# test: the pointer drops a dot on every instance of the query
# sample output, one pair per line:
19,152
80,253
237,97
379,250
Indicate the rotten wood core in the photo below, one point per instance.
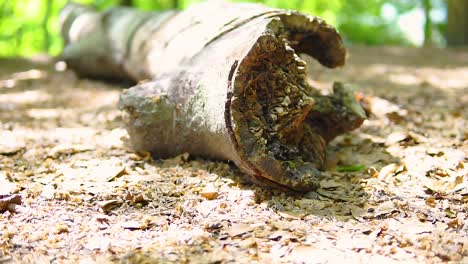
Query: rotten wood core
228,86
279,115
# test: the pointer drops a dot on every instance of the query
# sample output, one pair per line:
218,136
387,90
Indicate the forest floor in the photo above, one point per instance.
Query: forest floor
395,190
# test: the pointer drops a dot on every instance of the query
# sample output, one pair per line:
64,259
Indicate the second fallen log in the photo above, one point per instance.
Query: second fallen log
227,83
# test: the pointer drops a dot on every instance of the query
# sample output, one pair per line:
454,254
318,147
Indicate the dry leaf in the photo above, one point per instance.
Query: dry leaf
355,242
450,213
94,170
60,228
249,242
239,229
456,223
385,208
106,172
388,170
109,205
133,225
431,201
296,215
6,186
357,212
178,160
446,185
311,254
10,144
310,204
210,192
48,192
98,243
68,149
396,137
329,184
278,235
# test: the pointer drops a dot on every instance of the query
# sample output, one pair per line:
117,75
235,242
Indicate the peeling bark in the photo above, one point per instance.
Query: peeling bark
226,83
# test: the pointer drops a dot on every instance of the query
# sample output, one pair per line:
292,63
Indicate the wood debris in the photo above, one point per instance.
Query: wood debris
8,202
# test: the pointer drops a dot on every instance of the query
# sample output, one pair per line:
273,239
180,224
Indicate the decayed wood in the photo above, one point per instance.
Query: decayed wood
226,83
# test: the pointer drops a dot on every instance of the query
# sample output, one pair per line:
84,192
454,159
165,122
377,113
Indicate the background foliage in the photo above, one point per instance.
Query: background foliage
31,26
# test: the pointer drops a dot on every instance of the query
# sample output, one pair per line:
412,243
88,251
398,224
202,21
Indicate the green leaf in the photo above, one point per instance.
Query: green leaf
350,168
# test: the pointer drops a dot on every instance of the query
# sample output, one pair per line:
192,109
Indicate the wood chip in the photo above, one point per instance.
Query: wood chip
9,201
133,225
210,192
109,205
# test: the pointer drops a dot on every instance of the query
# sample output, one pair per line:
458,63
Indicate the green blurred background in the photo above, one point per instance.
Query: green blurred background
31,26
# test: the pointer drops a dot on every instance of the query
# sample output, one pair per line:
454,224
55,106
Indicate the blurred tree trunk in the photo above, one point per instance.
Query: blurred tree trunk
45,22
457,27
428,23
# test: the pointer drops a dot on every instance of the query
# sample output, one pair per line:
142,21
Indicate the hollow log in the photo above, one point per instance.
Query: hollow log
225,82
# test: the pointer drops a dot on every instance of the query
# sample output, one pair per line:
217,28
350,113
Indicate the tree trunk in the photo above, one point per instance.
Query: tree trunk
45,24
427,23
126,2
226,83
175,4
457,27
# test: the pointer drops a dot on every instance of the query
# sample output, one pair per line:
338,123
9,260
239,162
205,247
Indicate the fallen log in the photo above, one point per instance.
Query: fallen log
226,82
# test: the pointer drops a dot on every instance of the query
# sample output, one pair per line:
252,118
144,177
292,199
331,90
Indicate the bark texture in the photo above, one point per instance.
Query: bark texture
226,83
